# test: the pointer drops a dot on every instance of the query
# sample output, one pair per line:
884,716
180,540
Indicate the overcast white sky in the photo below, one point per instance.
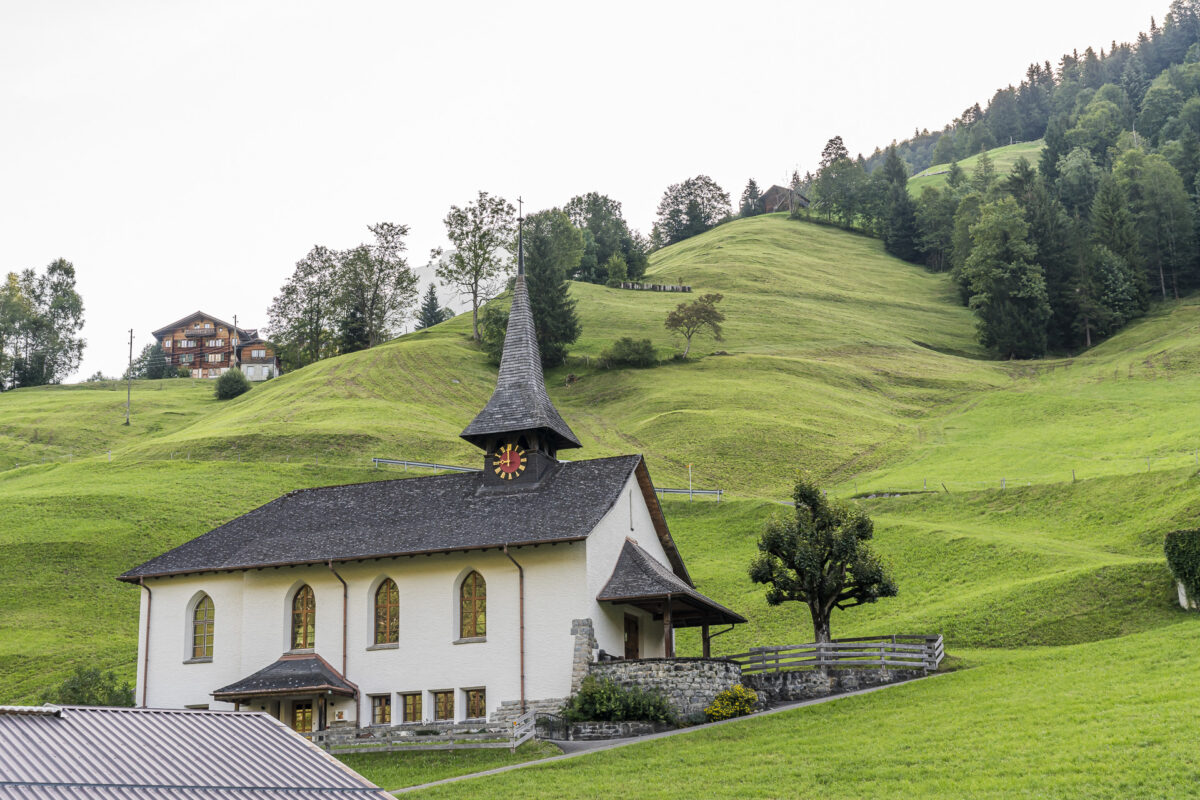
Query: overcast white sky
184,155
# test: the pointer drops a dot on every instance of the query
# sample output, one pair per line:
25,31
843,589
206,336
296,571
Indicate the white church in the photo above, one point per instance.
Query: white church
448,598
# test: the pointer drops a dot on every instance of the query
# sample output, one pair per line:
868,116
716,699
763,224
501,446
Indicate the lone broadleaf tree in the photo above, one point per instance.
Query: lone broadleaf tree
482,234
688,319
820,558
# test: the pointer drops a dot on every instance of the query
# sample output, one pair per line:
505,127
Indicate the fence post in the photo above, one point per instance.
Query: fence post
110,456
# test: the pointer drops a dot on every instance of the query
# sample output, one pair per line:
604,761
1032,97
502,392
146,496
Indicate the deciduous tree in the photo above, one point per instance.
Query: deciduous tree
689,208
689,319
820,556
481,234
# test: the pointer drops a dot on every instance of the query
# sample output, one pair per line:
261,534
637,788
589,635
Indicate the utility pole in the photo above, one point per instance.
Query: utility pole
129,379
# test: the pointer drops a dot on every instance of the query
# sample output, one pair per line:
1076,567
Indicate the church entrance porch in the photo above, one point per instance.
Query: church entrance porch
300,690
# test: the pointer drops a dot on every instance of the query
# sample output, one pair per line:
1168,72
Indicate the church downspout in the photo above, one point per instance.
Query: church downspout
521,613
345,601
146,652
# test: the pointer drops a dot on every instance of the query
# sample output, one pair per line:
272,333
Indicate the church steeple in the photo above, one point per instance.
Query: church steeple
519,429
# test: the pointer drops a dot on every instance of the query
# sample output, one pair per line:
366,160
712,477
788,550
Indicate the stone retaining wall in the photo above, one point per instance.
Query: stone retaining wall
689,684
782,687
593,731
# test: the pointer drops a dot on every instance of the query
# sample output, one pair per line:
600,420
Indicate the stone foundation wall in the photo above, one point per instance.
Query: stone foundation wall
593,731
689,684
783,687
509,710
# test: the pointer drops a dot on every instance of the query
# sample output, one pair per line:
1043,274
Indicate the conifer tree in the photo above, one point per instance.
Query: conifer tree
751,200
553,246
431,312
1008,290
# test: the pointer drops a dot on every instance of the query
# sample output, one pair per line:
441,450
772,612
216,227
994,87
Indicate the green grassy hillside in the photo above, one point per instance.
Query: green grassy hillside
837,359
1002,157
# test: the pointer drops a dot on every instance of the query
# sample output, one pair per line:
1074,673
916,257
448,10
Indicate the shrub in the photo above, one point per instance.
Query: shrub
90,687
1183,557
737,701
628,351
183,372
604,700
231,383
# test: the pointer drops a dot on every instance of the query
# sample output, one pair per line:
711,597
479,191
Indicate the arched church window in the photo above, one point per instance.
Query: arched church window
473,606
202,628
304,618
387,613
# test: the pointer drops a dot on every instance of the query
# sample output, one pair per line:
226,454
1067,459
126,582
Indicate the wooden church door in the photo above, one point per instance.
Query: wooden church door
632,637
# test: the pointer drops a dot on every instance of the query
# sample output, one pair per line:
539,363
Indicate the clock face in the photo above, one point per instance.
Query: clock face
509,462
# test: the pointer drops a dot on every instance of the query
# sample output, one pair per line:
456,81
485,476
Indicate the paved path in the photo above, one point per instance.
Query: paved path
576,749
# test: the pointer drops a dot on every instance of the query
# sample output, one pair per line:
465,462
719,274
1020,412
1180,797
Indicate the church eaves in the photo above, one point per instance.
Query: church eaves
520,401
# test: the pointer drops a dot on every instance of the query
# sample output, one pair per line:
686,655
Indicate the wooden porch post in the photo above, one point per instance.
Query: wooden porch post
704,638
668,638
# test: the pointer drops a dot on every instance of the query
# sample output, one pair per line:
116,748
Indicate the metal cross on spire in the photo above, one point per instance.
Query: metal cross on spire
520,226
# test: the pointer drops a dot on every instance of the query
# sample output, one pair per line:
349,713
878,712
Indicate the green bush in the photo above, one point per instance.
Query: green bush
737,701
90,687
628,351
183,372
1183,557
231,384
603,700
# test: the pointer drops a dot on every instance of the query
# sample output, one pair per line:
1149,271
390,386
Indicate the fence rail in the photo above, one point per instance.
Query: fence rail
718,493
904,651
422,465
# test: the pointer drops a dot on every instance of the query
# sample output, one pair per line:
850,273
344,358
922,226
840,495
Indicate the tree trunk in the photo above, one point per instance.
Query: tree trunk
820,620
687,346
475,317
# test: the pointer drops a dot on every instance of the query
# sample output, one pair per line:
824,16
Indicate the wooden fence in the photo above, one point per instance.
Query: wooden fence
413,737
901,651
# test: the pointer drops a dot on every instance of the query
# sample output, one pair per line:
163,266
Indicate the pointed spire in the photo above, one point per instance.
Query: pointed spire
520,402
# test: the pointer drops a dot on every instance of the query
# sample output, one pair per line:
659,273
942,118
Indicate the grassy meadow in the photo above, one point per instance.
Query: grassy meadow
1003,158
837,359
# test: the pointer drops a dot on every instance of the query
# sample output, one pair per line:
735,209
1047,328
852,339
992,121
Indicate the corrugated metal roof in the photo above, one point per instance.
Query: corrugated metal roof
92,752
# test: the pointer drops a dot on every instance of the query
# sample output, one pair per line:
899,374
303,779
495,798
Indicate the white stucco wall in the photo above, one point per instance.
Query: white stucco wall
252,622
629,518
252,626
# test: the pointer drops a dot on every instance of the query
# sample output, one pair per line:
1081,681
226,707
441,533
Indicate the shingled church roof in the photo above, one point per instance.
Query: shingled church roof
438,514
520,401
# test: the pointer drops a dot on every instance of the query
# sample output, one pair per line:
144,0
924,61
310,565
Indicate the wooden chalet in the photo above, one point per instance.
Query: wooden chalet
782,198
208,346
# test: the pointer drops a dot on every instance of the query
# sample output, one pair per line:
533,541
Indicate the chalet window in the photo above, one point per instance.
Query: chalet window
443,705
215,357
214,343
473,606
476,704
412,707
302,717
186,343
166,343
258,353
202,628
304,618
381,709
387,613
185,358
